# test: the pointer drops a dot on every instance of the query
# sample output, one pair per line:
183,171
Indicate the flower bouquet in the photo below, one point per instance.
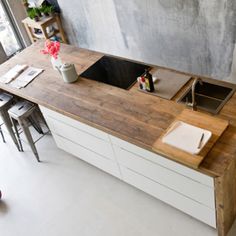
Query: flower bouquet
52,48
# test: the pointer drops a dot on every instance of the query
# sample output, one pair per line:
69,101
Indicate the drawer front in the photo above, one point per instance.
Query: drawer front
74,123
166,177
165,162
102,163
80,137
170,197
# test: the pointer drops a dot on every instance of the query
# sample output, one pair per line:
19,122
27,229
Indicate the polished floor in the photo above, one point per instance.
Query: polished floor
65,196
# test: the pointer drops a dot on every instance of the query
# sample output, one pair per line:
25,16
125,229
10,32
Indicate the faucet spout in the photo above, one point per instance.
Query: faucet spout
193,104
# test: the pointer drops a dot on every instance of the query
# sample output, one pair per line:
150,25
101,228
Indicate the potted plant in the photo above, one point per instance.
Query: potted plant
44,10
33,14
38,12
50,10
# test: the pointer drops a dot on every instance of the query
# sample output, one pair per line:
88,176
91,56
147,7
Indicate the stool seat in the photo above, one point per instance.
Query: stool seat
5,99
21,109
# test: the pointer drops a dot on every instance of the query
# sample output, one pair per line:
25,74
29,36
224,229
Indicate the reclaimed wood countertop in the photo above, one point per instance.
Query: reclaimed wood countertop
128,114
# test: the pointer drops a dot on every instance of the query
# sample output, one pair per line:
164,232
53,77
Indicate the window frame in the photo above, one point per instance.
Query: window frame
14,26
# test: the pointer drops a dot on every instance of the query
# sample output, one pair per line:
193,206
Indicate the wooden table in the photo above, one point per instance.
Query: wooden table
137,118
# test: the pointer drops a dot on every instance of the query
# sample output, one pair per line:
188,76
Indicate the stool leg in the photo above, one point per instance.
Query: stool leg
3,139
26,130
17,134
8,124
35,123
42,117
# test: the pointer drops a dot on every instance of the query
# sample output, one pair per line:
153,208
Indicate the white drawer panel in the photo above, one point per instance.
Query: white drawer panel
72,122
170,197
166,177
80,137
102,163
172,165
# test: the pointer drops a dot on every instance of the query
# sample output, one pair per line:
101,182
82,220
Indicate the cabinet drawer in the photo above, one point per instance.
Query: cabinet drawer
166,177
165,162
170,197
80,137
74,123
102,163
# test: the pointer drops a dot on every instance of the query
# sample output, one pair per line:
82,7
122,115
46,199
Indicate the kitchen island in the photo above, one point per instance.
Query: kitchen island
131,122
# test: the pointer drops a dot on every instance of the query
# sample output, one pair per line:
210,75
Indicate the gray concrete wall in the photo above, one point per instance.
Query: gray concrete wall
196,36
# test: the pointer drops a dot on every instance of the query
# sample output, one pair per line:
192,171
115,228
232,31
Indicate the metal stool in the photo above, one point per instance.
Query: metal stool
24,113
5,104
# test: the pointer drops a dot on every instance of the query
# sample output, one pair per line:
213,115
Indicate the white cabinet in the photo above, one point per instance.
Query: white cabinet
82,141
93,158
162,161
167,177
183,188
177,200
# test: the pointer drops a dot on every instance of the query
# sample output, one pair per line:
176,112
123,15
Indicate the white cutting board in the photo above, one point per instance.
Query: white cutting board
186,137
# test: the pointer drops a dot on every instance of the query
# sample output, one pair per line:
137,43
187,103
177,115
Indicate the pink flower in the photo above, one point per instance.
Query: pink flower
52,48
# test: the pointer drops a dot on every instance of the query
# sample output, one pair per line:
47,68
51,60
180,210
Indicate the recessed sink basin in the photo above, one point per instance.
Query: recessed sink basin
209,97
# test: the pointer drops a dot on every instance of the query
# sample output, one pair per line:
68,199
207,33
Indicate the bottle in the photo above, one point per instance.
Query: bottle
140,83
148,81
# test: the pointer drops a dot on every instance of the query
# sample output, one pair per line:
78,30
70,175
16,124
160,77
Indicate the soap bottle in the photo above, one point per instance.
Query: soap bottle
148,81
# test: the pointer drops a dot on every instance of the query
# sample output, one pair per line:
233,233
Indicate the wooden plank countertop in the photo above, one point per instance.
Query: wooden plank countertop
128,114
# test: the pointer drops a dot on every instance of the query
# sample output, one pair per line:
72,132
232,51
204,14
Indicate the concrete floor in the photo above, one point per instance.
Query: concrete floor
65,196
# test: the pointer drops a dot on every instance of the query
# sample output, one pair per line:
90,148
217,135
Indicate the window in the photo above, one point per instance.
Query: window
8,33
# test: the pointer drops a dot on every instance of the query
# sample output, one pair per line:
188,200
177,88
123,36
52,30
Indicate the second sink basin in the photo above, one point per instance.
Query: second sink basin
209,97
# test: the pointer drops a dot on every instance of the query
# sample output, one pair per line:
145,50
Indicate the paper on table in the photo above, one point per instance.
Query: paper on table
186,137
26,77
12,73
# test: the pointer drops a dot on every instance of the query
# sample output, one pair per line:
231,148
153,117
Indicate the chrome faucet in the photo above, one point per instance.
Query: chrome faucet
193,104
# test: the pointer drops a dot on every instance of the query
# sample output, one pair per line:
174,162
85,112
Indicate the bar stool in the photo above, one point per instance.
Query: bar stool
24,113
5,103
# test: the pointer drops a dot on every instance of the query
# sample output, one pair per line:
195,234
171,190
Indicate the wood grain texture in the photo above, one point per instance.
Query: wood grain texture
225,188
216,125
130,115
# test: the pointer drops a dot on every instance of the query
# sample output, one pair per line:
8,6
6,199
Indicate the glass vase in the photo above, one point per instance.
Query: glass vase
56,63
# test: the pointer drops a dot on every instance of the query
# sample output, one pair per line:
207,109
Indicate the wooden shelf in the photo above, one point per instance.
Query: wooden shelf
51,34
31,25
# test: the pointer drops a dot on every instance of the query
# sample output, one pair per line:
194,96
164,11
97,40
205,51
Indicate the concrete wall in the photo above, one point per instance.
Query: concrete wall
196,36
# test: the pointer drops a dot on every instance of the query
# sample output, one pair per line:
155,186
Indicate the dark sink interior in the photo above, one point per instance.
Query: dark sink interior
209,97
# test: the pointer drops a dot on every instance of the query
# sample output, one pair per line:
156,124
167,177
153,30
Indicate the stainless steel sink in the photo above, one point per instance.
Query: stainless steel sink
209,97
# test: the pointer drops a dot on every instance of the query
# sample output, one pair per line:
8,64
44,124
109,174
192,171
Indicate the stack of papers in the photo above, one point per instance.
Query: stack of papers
12,74
20,76
26,77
